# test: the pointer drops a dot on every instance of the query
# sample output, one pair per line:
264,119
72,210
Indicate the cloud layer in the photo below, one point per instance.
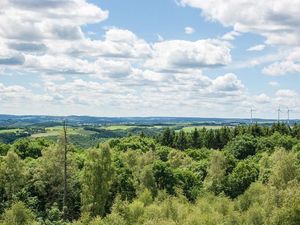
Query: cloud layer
121,73
276,20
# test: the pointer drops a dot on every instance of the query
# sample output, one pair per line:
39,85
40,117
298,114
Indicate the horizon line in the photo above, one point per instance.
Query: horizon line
183,117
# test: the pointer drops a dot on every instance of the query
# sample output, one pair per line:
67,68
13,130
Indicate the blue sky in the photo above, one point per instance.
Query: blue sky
150,58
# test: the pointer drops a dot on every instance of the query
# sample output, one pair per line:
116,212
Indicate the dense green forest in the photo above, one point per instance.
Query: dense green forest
241,175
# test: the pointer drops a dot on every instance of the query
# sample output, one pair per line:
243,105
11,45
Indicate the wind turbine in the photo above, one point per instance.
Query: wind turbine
279,111
288,115
251,114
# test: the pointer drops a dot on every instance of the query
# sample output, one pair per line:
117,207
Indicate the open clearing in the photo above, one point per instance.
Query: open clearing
9,131
56,131
118,127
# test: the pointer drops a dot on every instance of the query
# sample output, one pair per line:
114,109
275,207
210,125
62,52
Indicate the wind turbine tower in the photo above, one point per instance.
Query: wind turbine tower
288,115
278,111
251,114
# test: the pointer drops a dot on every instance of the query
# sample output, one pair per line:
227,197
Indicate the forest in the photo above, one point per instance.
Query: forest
247,174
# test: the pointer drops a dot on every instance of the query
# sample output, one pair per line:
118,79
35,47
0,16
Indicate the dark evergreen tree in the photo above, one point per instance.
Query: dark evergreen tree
196,139
181,140
167,137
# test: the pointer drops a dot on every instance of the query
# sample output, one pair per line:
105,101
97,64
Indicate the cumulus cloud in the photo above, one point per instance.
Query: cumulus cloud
262,99
37,35
12,60
180,54
274,19
120,73
124,43
182,85
282,68
47,38
228,83
286,93
12,94
288,98
28,47
256,48
36,20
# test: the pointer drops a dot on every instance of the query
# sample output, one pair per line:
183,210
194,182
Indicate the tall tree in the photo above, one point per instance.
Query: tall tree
55,178
167,137
18,214
215,178
181,140
96,180
196,139
12,176
65,148
209,139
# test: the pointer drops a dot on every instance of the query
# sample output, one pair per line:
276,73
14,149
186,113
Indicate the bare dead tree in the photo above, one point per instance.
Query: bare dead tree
65,148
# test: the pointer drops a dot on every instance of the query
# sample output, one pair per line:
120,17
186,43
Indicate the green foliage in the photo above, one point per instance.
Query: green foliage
4,148
285,168
18,214
133,143
167,138
189,182
30,148
123,184
148,180
244,175
242,146
181,141
12,178
241,177
215,179
96,180
196,141
164,176
46,180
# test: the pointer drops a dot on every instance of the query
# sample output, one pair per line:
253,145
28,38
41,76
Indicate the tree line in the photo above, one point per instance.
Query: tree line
239,175
218,138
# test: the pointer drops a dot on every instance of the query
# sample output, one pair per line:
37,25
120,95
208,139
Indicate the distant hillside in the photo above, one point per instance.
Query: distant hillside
29,120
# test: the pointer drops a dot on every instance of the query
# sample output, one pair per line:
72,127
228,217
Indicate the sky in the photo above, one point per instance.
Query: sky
190,58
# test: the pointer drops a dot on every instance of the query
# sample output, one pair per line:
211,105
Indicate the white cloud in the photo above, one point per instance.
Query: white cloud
54,44
180,55
282,68
120,74
276,20
123,43
228,83
288,99
36,20
18,94
59,64
230,36
262,99
286,93
117,43
189,30
256,48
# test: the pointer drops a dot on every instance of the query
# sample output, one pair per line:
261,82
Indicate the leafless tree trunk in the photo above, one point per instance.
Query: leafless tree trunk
65,146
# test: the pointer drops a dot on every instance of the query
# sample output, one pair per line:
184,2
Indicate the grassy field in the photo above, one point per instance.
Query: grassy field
187,128
9,131
118,127
56,131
